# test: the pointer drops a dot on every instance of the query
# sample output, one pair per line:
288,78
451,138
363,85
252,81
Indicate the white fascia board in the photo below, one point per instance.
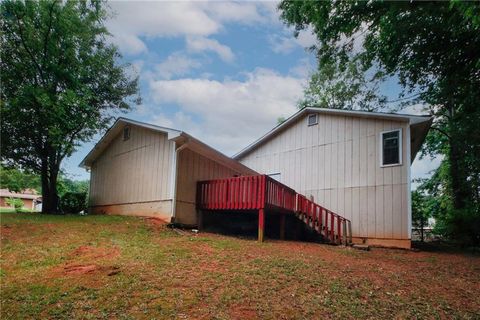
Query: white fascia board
114,129
412,119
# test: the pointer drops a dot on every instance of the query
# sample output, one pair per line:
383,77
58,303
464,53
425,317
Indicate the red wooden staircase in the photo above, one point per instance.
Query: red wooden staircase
263,193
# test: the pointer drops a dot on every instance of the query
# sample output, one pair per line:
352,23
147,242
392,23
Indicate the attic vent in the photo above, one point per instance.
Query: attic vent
312,119
126,133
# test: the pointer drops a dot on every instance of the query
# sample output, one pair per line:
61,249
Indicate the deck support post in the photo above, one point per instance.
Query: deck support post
200,220
261,224
282,226
349,227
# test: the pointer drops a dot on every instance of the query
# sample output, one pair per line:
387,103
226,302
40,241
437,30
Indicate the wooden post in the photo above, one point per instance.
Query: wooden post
332,226
261,224
200,220
349,232
339,230
282,226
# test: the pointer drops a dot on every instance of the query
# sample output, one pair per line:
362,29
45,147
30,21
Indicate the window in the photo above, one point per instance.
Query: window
391,148
126,133
312,119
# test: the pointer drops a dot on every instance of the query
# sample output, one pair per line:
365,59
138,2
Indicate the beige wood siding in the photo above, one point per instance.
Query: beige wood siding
138,170
337,161
193,167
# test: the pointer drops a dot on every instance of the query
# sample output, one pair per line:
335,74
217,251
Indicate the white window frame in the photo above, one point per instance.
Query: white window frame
400,147
316,119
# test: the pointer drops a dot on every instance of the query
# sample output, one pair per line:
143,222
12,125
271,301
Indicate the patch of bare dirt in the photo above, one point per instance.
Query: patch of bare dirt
394,269
5,231
83,262
156,222
79,269
90,252
242,312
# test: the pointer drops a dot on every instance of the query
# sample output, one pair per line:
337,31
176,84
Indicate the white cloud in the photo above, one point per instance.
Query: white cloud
176,64
303,69
200,44
135,20
162,18
129,44
286,42
282,44
228,114
230,11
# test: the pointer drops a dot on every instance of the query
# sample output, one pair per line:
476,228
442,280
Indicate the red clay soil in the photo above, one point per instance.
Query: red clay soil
89,260
242,312
156,222
80,269
5,232
90,268
90,252
381,267
205,276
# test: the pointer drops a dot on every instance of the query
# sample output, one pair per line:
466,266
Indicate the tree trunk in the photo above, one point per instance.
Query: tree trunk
457,175
49,188
422,226
457,168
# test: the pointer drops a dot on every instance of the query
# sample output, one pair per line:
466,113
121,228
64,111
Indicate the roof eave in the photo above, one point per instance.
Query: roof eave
412,119
91,156
200,146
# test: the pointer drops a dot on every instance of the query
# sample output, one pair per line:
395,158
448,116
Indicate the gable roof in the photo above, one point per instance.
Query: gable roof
419,126
180,137
25,194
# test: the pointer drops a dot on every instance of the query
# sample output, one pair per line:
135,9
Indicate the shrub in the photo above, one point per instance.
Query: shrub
15,203
73,202
462,226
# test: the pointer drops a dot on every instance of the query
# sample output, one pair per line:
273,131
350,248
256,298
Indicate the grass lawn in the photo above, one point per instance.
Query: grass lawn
93,267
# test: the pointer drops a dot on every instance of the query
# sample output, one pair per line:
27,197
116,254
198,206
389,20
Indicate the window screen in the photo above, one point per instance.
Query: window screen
312,119
126,133
391,147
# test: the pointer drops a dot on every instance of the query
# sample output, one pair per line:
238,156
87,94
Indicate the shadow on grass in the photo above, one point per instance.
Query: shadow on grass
444,247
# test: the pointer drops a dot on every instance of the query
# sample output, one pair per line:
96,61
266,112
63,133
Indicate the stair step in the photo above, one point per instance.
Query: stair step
363,247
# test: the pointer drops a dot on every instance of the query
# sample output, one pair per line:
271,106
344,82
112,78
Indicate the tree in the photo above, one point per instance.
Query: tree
433,48
15,203
66,185
16,180
343,85
421,211
61,83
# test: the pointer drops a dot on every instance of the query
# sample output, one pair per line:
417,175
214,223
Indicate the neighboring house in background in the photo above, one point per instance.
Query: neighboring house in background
147,170
31,199
352,162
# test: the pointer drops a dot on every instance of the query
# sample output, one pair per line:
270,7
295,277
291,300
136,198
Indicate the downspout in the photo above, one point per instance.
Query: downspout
174,195
409,185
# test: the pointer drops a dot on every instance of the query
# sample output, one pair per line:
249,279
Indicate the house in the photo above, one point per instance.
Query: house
334,168
29,197
352,162
142,169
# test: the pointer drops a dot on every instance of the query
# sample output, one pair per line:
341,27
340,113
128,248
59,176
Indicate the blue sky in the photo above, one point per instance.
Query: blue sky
221,71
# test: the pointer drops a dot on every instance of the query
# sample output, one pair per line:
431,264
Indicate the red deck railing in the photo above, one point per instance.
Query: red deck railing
265,193
244,193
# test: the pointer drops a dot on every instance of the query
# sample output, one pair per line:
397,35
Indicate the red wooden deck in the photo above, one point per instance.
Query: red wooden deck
264,193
